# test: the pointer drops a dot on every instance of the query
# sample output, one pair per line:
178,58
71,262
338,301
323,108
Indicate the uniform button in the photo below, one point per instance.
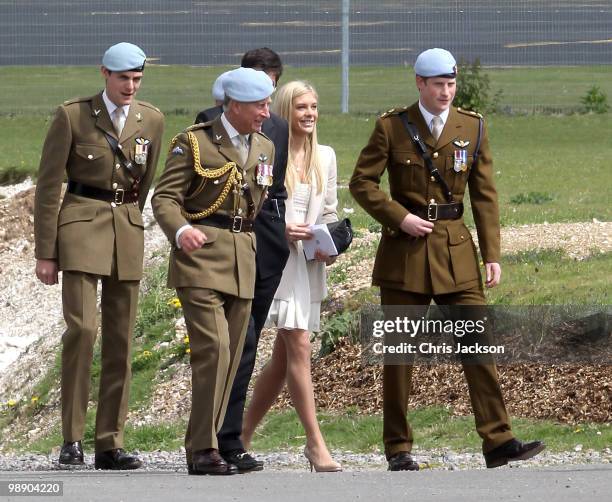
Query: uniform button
113,204
435,155
114,186
462,237
90,156
239,210
407,161
117,166
120,147
433,178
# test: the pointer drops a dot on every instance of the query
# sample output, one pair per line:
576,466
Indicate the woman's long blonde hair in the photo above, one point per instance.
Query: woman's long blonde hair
283,106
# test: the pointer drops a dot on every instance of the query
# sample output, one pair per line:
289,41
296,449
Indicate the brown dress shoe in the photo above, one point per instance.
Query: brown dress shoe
210,462
117,460
511,451
402,461
71,453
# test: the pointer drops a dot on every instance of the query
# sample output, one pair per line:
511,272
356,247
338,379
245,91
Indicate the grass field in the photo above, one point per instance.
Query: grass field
548,167
37,90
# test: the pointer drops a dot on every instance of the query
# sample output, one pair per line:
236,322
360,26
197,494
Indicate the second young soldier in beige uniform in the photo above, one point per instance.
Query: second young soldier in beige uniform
426,252
97,235
214,184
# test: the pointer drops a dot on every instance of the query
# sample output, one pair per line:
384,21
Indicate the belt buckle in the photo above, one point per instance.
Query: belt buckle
119,195
237,224
432,210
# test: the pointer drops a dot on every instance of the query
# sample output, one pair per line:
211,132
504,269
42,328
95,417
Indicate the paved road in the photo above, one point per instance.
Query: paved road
211,32
572,483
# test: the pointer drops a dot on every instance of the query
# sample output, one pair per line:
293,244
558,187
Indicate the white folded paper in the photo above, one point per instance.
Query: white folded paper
321,241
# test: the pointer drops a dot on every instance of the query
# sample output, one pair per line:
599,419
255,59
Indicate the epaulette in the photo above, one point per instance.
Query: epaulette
469,112
199,125
77,100
394,111
149,105
264,135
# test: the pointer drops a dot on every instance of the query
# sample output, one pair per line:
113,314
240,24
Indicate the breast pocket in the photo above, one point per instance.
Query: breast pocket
90,153
407,169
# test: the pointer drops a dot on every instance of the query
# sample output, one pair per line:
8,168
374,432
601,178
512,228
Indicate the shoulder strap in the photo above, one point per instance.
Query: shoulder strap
477,150
414,135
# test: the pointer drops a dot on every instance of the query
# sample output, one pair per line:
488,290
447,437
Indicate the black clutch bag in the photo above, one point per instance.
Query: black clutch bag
341,233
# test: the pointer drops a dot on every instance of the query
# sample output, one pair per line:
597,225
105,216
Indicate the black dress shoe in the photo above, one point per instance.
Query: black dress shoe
243,461
117,460
512,450
71,454
210,462
402,461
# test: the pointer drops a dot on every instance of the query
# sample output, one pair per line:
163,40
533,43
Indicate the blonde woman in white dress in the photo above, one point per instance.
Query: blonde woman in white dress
295,311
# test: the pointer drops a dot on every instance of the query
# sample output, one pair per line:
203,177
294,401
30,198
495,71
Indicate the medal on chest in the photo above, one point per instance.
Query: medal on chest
264,172
460,161
142,151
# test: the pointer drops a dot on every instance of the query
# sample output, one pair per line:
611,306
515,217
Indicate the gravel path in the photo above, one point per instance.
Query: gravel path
294,460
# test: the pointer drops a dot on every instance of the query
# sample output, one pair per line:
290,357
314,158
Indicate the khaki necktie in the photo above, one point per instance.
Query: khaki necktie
436,127
243,148
117,119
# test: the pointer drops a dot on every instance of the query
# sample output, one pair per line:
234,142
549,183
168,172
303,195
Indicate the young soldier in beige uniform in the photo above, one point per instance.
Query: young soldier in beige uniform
107,146
214,184
426,252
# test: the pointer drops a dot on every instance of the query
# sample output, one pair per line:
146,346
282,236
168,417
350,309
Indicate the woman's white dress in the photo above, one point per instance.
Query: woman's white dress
297,312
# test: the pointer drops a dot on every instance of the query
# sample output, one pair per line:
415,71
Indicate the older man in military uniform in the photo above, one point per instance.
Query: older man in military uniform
107,146
214,184
272,254
432,152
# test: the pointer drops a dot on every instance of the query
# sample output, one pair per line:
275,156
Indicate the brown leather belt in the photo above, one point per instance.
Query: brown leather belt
434,211
235,224
118,196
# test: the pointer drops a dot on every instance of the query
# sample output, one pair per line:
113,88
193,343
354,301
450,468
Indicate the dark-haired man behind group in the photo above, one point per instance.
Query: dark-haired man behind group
272,254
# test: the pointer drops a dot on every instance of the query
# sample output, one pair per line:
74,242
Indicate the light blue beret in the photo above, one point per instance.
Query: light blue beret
247,85
435,63
124,57
217,88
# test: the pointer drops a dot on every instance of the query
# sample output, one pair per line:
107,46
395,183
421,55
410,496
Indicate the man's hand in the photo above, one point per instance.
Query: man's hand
415,226
321,256
192,239
298,232
493,274
46,271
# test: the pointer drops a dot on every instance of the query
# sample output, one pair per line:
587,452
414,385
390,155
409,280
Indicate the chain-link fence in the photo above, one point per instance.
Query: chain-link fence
564,46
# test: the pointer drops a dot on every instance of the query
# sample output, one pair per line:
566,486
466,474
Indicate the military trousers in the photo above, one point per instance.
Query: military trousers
119,302
492,420
216,325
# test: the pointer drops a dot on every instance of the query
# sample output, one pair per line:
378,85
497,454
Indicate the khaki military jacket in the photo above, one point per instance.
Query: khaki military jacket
226,261
444,261
85,232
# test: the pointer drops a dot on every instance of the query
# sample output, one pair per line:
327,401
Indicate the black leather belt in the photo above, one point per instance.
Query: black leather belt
235,224
118,196
434,211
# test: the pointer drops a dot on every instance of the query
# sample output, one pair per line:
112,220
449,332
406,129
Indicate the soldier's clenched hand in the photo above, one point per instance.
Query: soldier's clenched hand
192,239
415,226
493,271
46,271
